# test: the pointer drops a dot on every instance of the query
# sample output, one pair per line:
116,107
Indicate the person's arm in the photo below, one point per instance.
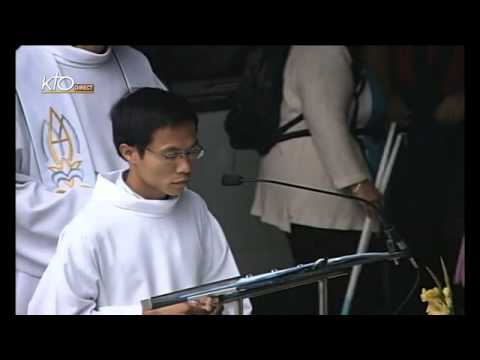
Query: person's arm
325,84
220,263
202,306
72,283
324,81
451,109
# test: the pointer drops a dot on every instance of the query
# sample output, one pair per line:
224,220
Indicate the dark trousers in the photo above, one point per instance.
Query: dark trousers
371,295
425,200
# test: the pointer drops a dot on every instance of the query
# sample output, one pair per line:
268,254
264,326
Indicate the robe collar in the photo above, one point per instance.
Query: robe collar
109,188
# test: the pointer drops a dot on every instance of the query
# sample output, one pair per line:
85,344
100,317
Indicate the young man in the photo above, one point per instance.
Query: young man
62,140
143,233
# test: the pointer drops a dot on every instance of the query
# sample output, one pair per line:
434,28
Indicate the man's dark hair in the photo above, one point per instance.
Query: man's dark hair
136,116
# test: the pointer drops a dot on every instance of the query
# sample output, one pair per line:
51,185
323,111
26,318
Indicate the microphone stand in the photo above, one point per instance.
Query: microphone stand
392,235
236,289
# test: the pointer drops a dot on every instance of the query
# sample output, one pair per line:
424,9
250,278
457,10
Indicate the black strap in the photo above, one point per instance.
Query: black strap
290,124
292,135
281,136
359,87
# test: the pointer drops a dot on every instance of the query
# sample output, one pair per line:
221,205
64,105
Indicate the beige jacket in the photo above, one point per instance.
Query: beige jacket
318,83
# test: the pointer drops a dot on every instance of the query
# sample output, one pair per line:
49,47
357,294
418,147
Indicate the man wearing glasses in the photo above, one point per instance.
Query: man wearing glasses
143,233
63,139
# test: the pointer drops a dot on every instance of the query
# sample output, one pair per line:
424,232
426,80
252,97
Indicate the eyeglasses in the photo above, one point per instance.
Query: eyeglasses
194,153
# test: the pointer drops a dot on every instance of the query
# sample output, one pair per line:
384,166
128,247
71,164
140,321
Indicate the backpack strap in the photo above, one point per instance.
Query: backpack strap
360,83
292,135
281,136
290,124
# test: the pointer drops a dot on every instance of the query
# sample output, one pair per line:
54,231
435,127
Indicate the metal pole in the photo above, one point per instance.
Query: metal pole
323,297
240,307
383,177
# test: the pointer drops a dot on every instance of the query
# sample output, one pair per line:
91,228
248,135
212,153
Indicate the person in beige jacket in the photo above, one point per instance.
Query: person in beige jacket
318,83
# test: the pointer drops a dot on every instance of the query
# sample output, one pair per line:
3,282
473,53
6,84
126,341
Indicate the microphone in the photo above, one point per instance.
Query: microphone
232,180
393,237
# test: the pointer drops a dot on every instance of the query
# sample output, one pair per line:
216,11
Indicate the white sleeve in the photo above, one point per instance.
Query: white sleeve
40,214
323,78
221,263
71,283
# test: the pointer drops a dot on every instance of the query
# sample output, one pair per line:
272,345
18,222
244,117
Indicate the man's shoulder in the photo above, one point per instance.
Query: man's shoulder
25,53
130,51
318,60
320,53
192,198
30,48
91,219
191,201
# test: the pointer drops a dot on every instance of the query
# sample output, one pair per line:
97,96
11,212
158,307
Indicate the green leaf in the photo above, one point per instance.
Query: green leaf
437,282
445,273
447,282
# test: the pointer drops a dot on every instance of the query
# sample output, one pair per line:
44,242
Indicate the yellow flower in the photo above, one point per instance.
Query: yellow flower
431,294
438,302
439,298
447,293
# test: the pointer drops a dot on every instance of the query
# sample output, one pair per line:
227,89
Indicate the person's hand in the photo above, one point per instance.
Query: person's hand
212,305
451,110
398,112
203,306
366,190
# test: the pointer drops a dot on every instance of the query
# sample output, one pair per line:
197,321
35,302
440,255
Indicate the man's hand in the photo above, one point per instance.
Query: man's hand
366,190
451,110
212,305
203,306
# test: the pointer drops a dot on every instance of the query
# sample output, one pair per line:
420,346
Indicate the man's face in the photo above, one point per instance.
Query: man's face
156,175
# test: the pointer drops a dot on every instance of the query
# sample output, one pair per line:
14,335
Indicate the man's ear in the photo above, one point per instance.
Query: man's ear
129,153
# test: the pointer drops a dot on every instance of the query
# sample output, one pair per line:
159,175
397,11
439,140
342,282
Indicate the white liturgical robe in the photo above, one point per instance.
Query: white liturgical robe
62,141
121,249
